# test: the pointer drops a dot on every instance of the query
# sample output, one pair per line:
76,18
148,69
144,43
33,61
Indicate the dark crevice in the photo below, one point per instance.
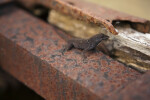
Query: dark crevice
12,89
36,10
141,27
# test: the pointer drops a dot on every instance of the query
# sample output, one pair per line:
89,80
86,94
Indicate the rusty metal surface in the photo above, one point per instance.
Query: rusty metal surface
138,90
93,13
31,51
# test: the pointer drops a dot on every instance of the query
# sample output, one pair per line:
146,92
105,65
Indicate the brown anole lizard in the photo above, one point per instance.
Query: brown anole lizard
83,44
86,44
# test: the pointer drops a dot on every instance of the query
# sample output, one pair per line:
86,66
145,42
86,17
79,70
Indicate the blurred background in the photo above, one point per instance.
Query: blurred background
140,8
12,89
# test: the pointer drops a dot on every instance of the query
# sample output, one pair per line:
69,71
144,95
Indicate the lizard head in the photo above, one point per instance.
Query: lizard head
99,37
103,36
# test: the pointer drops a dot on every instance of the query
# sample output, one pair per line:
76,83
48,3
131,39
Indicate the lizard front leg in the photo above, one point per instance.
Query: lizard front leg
69,46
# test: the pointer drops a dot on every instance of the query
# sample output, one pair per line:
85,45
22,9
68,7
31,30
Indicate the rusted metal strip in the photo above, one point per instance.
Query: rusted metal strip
32,52
93,13
138,90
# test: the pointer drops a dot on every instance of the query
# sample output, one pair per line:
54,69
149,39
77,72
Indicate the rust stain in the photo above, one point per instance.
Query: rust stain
32,51
93,13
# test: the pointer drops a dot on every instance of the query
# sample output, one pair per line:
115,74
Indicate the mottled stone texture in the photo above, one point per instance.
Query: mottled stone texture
32,51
